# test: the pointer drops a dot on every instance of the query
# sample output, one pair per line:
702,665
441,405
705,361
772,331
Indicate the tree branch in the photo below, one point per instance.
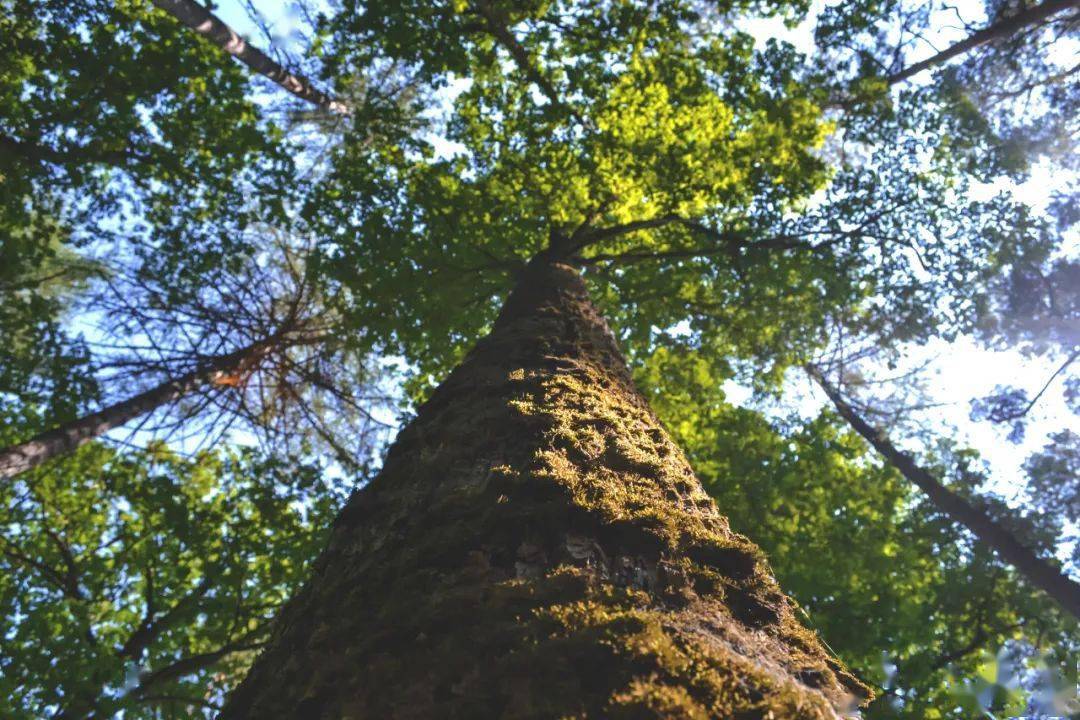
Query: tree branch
210,26
1017,414
188,665
71,156
728,241
151,628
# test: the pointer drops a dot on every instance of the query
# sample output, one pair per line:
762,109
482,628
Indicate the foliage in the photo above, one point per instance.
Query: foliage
1054,483
44,372
164,148
1012,92
142,582
687,168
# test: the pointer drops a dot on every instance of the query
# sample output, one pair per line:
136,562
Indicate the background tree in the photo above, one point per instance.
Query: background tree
101,157
1041,572
257,348
998,74
211,27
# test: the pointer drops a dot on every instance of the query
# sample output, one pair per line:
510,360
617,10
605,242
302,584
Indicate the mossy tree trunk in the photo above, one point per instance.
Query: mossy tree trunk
537,546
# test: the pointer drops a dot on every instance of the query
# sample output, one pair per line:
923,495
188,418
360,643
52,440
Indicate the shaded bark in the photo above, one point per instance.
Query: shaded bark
1041,573
210,26
23,456
536,546
997,31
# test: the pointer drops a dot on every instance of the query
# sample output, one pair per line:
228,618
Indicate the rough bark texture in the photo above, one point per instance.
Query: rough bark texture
1040,572
536,546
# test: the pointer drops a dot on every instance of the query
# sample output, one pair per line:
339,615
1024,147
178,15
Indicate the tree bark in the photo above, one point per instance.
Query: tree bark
23,456
1039,572
210,26
1001,29
536,546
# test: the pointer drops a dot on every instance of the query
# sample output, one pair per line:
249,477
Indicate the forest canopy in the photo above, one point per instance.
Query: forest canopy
244,243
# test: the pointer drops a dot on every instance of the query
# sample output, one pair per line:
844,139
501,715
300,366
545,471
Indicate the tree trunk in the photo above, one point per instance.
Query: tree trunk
999,30
536,546
210,26
1039,572
44,446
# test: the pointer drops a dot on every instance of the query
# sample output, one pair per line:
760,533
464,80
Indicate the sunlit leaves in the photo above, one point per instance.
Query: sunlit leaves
650,121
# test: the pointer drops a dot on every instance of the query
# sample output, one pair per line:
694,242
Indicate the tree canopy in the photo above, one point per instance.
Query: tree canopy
742,207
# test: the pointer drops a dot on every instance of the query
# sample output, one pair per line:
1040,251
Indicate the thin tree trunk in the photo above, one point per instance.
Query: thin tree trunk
1001,29
204,22
536,546
71,435
1039,572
